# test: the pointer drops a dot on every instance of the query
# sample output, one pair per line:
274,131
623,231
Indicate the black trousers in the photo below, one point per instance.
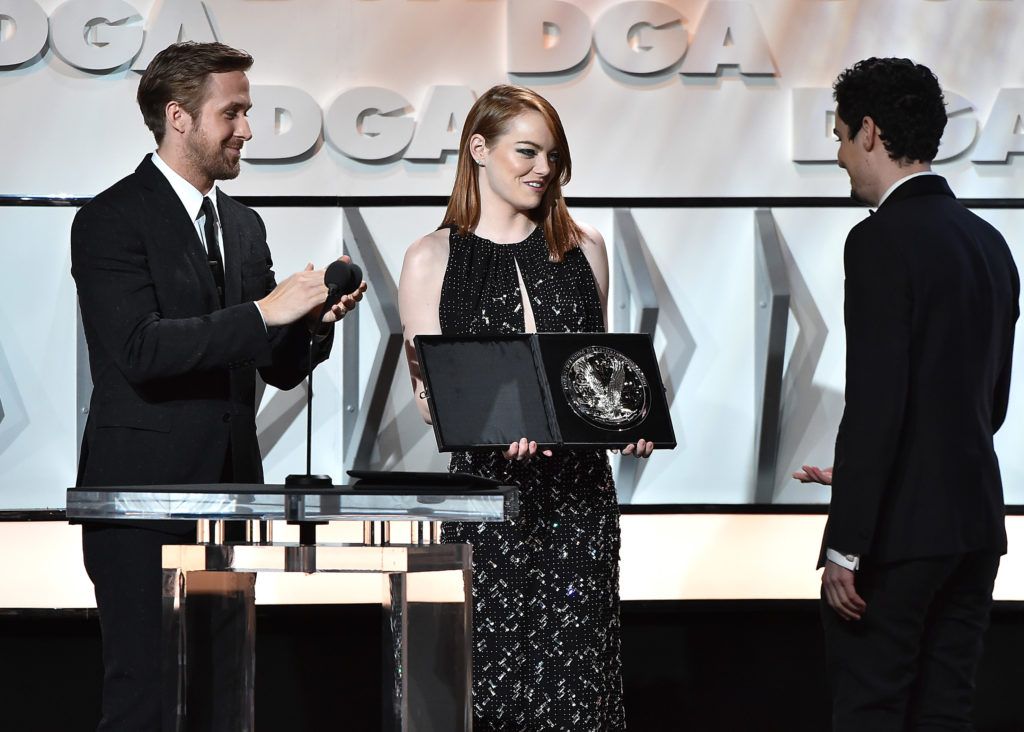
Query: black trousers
124,564
909,663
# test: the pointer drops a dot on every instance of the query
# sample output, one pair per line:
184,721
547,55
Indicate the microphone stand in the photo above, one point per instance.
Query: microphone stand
307,529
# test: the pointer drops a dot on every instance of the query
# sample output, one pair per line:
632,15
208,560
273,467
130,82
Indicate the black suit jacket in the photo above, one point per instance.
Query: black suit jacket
174,372
931,302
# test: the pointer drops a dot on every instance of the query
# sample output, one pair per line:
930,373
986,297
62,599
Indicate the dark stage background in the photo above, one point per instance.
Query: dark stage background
754,666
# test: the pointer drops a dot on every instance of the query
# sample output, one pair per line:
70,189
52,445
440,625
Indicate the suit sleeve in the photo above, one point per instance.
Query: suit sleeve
288,363
118,299
878,318
1001,398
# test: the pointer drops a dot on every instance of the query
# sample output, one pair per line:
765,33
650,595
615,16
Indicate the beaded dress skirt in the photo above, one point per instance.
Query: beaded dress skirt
546,631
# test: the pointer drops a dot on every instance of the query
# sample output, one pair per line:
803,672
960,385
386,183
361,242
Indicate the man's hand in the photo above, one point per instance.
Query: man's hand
346,304
812,474
840,593
294,298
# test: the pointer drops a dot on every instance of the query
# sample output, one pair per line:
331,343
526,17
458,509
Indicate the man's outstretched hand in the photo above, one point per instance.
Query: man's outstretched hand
302,295
813,474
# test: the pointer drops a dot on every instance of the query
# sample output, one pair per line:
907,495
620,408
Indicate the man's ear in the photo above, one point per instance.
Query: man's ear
871,134
176,117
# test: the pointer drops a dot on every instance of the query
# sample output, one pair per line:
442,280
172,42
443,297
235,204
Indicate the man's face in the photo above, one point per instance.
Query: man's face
214,142
851,157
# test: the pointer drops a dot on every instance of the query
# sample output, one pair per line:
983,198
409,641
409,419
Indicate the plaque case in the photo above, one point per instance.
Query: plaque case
578,390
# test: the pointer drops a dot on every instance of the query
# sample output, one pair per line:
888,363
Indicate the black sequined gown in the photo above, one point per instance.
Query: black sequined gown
545,585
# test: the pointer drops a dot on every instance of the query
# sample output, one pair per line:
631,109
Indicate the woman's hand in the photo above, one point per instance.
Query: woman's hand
523,450
641,448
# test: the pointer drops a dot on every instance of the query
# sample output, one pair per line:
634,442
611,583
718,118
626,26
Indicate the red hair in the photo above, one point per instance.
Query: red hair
490,118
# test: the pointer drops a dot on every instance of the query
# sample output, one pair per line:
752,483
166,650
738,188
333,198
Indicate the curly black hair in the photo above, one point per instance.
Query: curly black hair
904,100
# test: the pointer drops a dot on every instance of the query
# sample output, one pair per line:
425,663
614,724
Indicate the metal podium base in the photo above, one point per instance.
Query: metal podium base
209,630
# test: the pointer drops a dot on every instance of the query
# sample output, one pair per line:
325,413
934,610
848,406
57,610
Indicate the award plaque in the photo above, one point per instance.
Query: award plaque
605,388
579,390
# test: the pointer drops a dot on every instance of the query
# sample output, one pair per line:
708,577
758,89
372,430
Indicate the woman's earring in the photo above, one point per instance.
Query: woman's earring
480,162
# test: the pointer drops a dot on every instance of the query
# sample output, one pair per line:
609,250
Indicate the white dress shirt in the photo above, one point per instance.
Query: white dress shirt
900,182
192,200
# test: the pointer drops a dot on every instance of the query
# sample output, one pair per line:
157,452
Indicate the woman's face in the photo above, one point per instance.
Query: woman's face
520,165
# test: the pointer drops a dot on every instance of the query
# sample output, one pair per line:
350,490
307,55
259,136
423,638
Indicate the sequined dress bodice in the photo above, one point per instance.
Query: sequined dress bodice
481,292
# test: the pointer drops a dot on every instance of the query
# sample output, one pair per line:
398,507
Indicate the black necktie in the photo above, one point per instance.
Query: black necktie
213,255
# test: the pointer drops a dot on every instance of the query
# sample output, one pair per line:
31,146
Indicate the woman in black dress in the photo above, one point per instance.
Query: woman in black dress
508,258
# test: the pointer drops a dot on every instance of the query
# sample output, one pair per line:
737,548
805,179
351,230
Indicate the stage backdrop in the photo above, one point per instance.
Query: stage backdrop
671,100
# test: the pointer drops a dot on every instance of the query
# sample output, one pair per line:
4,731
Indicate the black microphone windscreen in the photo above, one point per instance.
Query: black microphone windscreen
344,276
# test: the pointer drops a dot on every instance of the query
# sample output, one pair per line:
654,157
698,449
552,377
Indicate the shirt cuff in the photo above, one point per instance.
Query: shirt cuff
850,561
261,315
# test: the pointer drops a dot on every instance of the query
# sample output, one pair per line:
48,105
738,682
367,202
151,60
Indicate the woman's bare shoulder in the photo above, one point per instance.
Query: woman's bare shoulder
436,242
592,239
593,247
429,252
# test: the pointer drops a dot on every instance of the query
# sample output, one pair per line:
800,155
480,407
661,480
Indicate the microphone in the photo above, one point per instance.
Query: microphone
341,278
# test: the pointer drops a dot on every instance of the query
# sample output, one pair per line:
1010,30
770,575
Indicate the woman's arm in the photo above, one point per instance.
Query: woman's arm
593,249
419,298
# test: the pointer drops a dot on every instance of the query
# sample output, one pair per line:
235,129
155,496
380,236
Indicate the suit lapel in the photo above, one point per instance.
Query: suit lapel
230,230
178,227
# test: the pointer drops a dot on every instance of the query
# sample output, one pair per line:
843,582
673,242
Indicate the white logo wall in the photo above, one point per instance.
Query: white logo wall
675,98
364,98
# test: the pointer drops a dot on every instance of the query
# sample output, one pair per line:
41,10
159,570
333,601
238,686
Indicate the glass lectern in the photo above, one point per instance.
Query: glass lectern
209,587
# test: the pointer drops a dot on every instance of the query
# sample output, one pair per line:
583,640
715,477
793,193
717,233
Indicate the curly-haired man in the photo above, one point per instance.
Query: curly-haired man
915,528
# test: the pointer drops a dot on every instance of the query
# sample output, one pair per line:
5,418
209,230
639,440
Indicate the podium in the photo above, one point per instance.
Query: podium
424,588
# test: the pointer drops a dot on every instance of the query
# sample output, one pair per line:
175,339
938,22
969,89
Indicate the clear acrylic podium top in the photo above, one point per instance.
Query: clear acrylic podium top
380,502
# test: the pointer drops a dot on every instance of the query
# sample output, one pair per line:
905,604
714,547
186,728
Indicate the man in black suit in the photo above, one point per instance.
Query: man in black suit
916,524
180,309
